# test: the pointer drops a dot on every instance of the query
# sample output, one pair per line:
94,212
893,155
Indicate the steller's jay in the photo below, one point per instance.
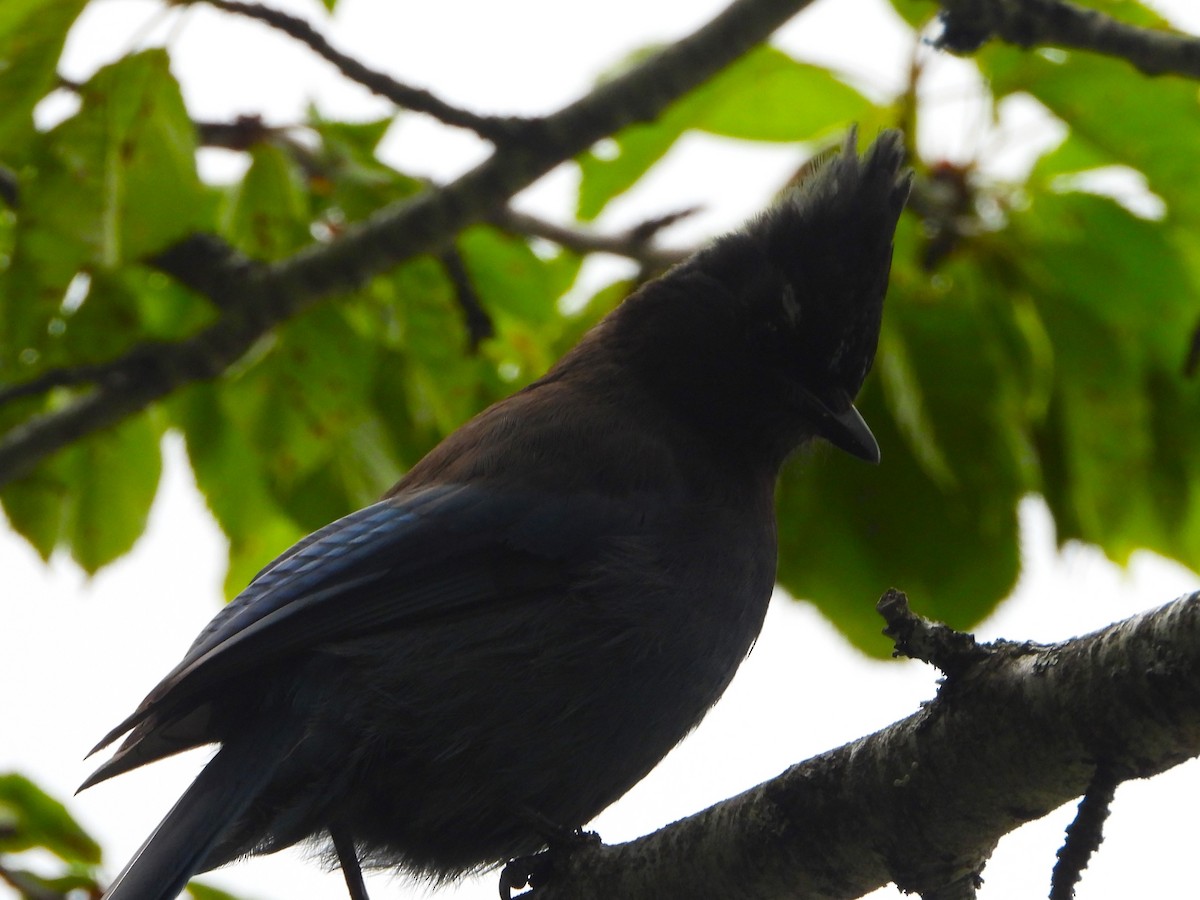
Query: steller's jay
554,596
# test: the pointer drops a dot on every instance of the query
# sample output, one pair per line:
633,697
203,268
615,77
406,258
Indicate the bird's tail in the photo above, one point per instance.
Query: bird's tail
182,843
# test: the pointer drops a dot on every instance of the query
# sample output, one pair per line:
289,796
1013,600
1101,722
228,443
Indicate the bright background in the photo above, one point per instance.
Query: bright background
90,649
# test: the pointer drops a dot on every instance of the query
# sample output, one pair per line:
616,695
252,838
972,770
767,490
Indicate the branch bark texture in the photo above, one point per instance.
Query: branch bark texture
923,802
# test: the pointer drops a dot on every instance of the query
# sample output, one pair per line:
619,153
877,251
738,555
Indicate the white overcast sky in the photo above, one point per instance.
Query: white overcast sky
77,654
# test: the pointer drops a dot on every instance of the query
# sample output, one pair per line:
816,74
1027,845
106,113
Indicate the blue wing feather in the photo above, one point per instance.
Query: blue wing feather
429,553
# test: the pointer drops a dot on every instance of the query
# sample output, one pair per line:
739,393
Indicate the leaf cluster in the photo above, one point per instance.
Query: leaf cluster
1037,339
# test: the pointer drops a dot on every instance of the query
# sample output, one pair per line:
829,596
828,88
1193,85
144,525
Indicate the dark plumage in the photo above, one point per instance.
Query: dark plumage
555,595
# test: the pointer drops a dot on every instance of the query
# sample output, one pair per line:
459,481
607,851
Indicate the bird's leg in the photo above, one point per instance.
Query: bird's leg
348,859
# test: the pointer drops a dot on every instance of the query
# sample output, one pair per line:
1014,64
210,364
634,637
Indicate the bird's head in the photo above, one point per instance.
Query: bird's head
774,327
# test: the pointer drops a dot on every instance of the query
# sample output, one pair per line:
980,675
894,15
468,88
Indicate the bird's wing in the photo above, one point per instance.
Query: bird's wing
429,554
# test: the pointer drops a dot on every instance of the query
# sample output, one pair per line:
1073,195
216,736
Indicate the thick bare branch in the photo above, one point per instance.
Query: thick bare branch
1030,23
1012,738
253,302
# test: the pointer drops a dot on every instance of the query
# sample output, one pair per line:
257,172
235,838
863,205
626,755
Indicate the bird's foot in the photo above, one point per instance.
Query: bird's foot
525,871
532,871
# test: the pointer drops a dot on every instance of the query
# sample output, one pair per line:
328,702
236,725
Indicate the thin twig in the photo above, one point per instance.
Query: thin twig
636,243
493,128
919,638
10,188
28,886
1084,834
1191,363
475,317
240,134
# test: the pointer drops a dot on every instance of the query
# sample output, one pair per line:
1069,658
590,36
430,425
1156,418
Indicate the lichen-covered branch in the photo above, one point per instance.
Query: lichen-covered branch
923,802
1057,23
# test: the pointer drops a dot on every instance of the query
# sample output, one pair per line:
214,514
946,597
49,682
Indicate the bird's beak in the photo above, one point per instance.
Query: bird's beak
845,430
848,431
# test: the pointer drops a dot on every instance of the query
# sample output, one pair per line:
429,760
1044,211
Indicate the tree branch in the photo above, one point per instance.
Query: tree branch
1084,835
240,134
70,376
9,187
1028,23
255,301
476,319
1022,731
932,642
636,243
492,128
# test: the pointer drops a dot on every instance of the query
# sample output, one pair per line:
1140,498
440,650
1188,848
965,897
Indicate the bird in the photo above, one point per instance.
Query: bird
554,596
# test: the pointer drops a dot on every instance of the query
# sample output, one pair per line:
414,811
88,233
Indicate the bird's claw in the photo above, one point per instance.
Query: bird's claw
533,871
525,871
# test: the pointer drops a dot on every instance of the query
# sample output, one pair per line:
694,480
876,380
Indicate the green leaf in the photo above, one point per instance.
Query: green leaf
110,185
126,160
1074,154
793,101
442,382
1117,301
123,308
848,531
356,141
268,215
32,34
203,891
1175,476
958,384
94,497
300,404
1096,255
360,465
509,277
229,471
113,476
1127,127
351,179
35,507
35,886
31,818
